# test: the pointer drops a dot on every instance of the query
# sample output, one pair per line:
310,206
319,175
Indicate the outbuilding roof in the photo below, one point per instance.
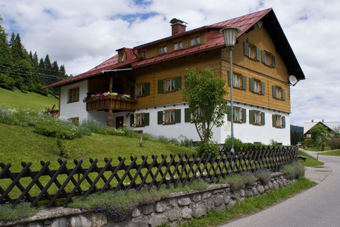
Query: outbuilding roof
214,40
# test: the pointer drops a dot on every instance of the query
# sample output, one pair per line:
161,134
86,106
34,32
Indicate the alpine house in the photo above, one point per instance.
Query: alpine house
139,88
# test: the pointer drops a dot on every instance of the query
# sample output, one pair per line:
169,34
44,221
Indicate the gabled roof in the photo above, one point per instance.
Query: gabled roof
214,40
329,125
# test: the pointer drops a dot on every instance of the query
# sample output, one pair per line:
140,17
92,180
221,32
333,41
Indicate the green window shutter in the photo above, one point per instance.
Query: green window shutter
178,116
274,120
263,88
187,113
251,84
160,86
160,117
146,119
132,120
229,113
263,118
229,78
246,49
178,83
283,94
258,54
244,115
273,61
263,56
244,82
147,89
132,91
283,122
251,116
274,91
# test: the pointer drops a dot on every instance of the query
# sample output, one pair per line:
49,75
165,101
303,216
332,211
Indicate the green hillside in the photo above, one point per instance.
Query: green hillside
23,101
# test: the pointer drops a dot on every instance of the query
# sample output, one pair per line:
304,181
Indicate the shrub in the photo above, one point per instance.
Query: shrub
334,143
88,127
263,175
295,170
207,148
20,211
185,142
57,128
237,144
240,180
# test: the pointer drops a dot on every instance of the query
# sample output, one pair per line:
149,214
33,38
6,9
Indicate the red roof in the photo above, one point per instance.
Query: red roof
214,40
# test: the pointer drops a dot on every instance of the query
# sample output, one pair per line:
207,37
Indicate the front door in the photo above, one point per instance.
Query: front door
119,122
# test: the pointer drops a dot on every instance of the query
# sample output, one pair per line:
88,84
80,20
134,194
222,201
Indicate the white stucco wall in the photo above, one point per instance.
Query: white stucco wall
245,132
74,109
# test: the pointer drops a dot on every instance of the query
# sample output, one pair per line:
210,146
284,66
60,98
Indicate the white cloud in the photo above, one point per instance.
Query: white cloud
82,33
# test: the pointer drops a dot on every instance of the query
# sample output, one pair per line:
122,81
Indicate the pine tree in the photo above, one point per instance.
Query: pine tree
35,59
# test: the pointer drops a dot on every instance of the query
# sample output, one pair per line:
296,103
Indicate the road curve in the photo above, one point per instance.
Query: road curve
318,206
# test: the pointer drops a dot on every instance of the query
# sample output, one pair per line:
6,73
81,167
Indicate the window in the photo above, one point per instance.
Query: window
140,90
251,51
178,45
122,57
256,117
279,121
279,93
256,86
239,115
162,50
169,116
195,41
142,54
240,81
141,119
73,95
169,85
267,58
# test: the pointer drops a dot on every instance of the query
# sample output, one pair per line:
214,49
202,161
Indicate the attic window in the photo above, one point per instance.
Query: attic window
122,57
195,41
162,50
267,58
142,54
251,51
178,45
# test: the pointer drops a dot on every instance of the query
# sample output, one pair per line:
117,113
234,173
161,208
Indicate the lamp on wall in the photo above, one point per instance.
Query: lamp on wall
230,35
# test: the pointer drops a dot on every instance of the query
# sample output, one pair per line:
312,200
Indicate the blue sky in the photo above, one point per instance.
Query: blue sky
83,33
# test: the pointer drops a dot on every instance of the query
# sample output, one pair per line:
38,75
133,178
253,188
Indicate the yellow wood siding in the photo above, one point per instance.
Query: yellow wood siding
243,65
174,68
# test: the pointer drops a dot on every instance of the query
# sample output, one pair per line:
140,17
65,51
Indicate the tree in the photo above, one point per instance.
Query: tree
205,95
320,136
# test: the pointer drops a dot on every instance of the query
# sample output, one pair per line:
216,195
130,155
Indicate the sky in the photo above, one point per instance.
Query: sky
81,34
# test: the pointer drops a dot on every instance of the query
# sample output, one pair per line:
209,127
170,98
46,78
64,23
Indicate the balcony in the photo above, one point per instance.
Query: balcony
110,101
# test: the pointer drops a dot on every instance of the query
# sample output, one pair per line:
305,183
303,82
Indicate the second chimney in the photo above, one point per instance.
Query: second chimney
177,26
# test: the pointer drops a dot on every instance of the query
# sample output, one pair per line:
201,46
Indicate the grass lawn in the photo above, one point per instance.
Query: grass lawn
23,101
250,205
317,148
310,161
21,144
331,153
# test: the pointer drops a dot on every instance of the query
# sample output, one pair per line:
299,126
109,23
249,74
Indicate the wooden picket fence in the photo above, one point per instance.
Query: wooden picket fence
61,185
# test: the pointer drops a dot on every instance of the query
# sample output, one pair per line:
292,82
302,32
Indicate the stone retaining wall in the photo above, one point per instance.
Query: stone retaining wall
178,207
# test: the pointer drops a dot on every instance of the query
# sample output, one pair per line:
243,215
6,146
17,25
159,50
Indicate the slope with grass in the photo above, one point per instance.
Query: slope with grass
23,101
21,144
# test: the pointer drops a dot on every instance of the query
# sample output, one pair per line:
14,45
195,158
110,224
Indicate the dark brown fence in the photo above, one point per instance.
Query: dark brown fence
60,185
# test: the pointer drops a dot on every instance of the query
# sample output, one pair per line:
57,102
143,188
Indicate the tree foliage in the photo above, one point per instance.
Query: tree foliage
20,69
205,94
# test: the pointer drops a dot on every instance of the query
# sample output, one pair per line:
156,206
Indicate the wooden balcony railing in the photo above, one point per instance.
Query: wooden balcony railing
110,102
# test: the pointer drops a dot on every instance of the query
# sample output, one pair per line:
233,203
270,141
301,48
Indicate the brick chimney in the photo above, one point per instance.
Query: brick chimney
177,26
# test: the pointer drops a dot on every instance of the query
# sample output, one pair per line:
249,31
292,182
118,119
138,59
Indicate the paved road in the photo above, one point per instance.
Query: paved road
316,207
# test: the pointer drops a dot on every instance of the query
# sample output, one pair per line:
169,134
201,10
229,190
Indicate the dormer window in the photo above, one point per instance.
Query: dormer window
122,57
178,45
195,41
142,54
162,50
